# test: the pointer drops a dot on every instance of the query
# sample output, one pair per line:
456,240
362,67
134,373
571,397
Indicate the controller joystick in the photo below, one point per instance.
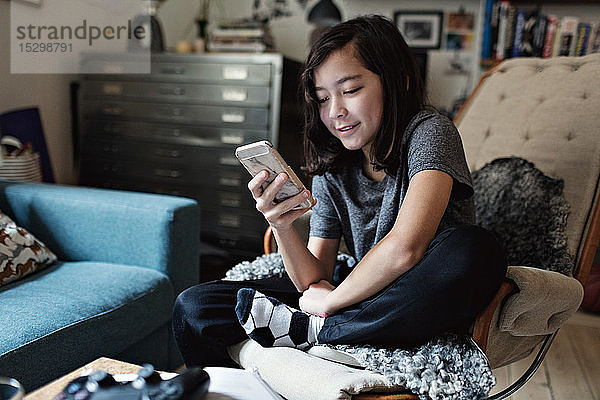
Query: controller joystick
148,385
99,379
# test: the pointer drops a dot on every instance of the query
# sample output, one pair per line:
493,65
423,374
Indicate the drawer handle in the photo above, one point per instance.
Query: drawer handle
230,200
111,168
113,89
169,112
167,153
235,118
172,70
170,132
225,181
232,138
109,68
227,160
110,148
167,173
111,129
235,72
178,91
234,94
231,221
112,110
227,242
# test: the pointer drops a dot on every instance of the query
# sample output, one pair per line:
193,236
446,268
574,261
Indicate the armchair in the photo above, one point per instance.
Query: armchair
545,111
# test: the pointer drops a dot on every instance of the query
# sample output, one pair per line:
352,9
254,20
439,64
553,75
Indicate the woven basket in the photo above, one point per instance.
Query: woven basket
23,167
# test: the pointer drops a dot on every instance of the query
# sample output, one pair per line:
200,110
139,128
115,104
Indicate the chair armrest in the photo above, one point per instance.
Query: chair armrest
269,244
86,224
544,301
483,322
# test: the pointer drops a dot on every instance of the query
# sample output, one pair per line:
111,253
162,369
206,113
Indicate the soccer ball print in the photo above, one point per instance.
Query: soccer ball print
270,322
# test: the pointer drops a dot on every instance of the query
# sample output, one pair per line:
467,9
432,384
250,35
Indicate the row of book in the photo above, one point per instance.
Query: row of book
239,39
509,32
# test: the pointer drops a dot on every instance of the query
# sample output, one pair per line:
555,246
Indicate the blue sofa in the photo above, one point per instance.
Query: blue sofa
123,258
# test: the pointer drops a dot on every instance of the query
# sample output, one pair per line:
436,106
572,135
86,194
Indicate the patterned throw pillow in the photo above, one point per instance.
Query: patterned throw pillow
20,252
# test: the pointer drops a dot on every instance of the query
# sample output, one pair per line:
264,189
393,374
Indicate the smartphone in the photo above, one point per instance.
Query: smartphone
261,155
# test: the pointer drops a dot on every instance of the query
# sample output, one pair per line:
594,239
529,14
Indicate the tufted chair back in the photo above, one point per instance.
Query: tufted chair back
548,112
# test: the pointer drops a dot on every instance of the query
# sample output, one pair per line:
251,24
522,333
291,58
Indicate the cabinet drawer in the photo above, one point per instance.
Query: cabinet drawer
246,220
211,72
249,243
157,153
207,196
236,243
99,169
181,113
168,92
198,135
226,198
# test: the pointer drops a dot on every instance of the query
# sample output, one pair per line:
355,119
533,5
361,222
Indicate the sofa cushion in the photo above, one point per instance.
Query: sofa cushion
20,252
80,310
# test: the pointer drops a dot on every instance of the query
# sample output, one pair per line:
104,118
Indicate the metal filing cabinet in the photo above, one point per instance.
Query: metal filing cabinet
174,131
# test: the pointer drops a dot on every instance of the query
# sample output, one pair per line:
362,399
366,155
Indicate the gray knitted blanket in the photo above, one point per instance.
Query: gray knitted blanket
449,368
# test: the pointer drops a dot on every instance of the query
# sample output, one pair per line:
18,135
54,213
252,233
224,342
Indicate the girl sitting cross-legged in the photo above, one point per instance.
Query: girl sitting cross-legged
390,177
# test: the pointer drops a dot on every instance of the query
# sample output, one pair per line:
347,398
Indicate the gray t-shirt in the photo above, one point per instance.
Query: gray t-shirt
363,211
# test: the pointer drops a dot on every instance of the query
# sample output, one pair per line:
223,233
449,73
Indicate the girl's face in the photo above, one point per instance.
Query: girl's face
350,99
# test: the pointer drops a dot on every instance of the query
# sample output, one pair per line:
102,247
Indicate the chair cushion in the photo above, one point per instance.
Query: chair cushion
20,252
311,378
81,310
526,211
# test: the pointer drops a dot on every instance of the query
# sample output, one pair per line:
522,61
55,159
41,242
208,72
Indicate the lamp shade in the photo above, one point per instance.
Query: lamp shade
324,13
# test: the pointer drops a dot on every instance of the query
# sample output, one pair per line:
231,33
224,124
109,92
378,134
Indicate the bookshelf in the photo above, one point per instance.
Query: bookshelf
538,29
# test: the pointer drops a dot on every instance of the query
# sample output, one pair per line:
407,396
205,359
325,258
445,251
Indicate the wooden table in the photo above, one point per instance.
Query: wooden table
48,391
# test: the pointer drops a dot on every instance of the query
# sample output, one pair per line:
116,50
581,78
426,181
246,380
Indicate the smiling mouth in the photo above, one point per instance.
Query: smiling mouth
348,128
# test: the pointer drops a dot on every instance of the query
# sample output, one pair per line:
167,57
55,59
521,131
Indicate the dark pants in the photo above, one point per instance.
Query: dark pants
456,278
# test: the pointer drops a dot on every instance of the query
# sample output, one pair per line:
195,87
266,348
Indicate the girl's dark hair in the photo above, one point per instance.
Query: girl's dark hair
380,47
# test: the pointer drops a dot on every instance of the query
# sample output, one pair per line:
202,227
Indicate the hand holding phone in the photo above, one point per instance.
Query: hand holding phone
259,156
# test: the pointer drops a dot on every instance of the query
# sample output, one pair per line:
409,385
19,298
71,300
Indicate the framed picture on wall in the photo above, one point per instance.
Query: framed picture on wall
421,29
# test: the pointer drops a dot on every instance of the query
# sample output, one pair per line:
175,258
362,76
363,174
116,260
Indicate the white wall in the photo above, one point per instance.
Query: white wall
49,92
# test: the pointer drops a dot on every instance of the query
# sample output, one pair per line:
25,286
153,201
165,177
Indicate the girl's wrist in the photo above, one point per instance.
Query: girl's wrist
330,307
282,230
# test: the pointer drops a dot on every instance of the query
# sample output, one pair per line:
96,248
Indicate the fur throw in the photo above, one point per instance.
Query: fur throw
526,211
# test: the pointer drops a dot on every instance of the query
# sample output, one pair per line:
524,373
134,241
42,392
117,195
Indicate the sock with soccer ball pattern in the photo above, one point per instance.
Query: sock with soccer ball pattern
272,323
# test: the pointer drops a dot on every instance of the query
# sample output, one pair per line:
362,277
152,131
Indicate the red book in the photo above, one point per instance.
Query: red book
550,32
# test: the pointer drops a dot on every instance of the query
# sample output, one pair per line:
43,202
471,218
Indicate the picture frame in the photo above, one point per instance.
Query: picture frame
420,29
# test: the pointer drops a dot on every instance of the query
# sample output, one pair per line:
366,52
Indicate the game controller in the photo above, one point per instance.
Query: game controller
191,384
